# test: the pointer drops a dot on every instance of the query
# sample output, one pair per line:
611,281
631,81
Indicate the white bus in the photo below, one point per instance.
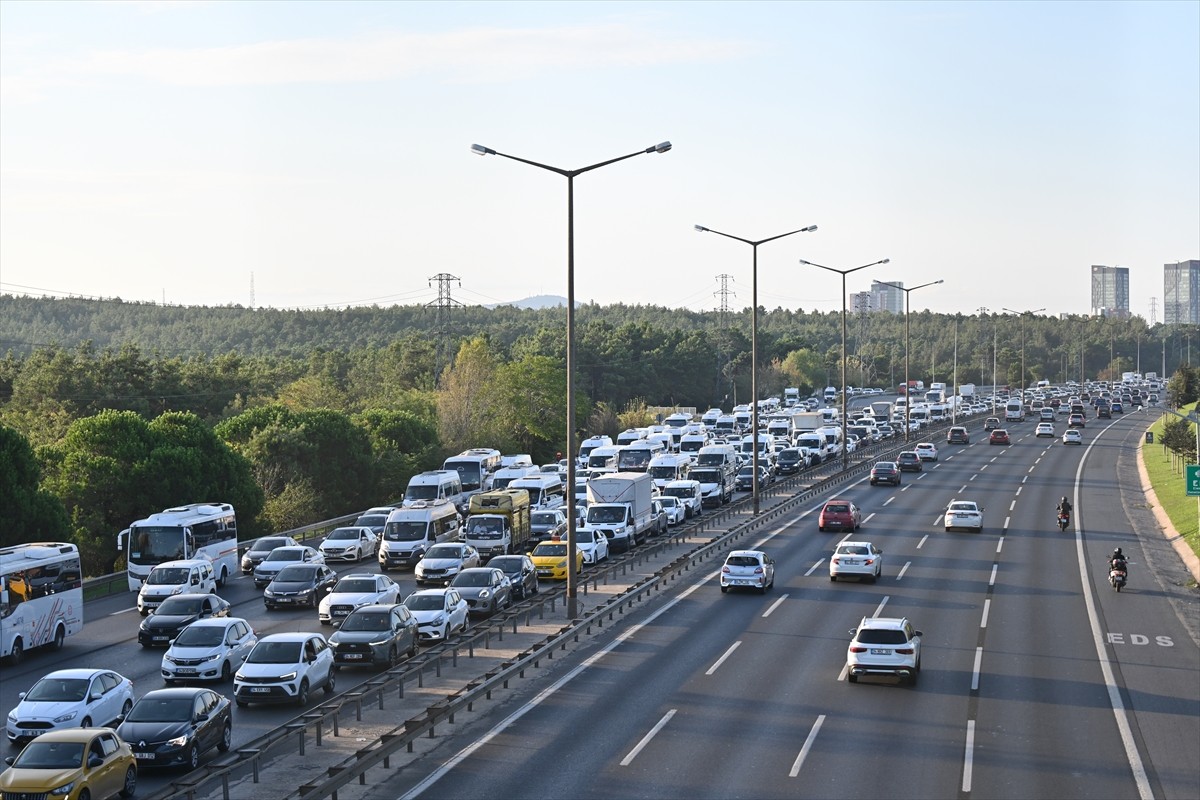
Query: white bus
41,596
200,530
474,468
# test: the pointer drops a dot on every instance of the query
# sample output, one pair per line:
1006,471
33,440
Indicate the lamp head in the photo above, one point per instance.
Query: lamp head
807,263
701,228
661,147
480,150
809,229
885,261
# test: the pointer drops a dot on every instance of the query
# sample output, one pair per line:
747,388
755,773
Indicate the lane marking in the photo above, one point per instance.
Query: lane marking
814,567
905,489
1000,542
1024,478
890,499
975,671
625,762
992,580
1031,468
1012,505
868,519
1019,488
806,747
983,467
721,660
971,478
962,488
987,606
969,756
122,611
937,520
882,603
903,569
1006,521
923,538
775,605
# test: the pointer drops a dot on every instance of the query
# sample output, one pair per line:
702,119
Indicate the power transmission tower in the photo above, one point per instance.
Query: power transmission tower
442,306
722,322
1153,311
724,293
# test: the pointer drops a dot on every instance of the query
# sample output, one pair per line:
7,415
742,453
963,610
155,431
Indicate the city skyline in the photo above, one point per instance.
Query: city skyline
317,154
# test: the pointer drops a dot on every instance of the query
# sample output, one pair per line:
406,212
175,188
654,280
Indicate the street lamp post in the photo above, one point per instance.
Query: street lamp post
1023,314
844,273
907,393
754,342
569,451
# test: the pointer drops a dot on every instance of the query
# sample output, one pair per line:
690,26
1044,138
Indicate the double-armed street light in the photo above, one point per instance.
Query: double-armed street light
569,450
907,391
1023,314
844,273
754,341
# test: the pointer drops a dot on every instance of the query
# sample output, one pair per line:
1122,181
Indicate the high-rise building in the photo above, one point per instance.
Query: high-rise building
889,296
1181,293
1110,291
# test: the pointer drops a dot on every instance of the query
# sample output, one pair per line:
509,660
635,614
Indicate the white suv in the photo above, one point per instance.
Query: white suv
884,646
284,668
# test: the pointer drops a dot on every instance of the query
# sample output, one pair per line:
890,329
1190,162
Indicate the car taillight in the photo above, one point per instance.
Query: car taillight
836,560
869,561
904,651
758,570
725,569
858,649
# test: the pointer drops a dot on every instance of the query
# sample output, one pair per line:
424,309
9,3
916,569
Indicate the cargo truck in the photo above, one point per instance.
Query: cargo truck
618,506
498,522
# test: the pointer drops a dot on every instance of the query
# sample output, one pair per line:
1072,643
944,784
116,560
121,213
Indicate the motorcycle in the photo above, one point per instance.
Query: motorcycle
1117,576
1064,519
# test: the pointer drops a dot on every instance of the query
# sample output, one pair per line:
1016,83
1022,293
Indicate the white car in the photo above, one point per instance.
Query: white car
70,698
350,544
593,545
884,646
862,559
439,612
209,649
752,569
1044,429
676,512
926,451
443,561
285,668
280,557
964,514
1073,436
357,589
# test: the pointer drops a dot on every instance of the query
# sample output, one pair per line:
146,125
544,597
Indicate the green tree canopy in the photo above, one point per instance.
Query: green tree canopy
28,513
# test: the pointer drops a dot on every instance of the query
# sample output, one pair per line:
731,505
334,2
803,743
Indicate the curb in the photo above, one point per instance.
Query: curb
1188,556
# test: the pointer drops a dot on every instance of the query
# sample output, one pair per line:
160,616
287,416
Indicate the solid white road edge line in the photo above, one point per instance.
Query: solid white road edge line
969,756
774,605
812,735
724,656
122,611
627,760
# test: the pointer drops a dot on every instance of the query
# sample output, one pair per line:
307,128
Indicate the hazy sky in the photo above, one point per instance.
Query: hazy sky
170,151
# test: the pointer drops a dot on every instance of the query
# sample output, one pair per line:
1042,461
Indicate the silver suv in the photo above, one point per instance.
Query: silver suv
884,646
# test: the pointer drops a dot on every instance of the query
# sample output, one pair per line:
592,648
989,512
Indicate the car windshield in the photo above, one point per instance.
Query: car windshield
425,602
275,653
167,576
669,501
545,519
550,550
267,545
447,551
161,709
180,606
285,554
473,579
584,536
606,514
50,755
58,690
884,466
355,585
882,636
297,573
364,621
341,533
485,527
201,636
371,521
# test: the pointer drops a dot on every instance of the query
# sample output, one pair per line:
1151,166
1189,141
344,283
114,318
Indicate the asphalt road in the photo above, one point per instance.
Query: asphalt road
1038,680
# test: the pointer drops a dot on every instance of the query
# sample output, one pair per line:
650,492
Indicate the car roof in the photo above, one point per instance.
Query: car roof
74,673
358,575
378,608
292,547
478,569
175,692
855,544
428,592
889,623
216,622
288,637
746,553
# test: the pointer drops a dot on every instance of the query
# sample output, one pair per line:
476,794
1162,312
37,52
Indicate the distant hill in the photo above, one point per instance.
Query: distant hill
538,301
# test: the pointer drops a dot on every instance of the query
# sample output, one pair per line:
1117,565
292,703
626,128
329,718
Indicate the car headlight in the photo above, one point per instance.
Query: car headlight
305,593
377,644
268,593
237,676
485,594
288,676
63,790
12,715
178,741
70,715
561,565
439,619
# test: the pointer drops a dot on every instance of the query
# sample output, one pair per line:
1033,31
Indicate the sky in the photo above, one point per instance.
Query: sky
313,154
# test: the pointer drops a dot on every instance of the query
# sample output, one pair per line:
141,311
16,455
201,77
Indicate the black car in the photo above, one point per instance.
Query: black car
176,613
789,461
909,461
174,727
375,522
521,573
885,472
299,585
374,635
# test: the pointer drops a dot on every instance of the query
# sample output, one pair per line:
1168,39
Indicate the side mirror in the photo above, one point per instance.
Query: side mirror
10,760
917,633
94,761
201,717
853,631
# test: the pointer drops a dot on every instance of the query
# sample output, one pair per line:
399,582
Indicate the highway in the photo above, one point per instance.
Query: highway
1038,680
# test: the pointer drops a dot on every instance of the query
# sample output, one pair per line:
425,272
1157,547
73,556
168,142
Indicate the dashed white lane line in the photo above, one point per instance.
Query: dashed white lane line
982,467
1000,541
890,499
775,605
903,570
718,663
906,488
812,735
627,760
882,603
975,671
969,756
991,580
987,606
868,517
971,478
1031,467
962,488
1019,488
122,611
1012,505
813,568
922,542
1024,478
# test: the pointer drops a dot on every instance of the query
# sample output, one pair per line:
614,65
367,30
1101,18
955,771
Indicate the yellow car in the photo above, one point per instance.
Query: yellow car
550,559
71,763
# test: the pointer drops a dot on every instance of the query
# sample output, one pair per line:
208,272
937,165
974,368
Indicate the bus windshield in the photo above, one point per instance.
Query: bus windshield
470,473
151,545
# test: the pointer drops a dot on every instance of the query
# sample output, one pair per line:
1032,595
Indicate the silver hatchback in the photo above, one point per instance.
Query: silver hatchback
748,569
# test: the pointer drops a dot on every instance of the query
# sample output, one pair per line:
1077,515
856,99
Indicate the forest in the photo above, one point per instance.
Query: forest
110,411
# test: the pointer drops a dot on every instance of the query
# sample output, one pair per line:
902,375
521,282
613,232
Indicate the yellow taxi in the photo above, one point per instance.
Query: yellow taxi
71,763
550,559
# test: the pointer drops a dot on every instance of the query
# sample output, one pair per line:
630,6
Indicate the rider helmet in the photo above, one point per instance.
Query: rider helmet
1118,554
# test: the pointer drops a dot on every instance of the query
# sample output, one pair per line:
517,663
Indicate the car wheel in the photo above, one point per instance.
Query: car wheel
240,702
852,678
833,578
763,589
226,738
724,589
873,577
126,707
393,656
130,785
412,648
821,528
536,587
194,756
226,671
331,684
302,694
86,794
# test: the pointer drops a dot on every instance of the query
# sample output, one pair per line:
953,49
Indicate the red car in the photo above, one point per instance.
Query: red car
840,515
998,436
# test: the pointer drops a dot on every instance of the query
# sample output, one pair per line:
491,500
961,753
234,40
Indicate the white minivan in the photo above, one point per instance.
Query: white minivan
435,486
187,576
545,490
412,530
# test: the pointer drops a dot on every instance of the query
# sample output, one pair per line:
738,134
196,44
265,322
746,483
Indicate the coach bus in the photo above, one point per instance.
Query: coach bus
41,596
200,530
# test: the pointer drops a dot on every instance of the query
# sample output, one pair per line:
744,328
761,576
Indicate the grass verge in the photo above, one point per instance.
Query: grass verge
1166,476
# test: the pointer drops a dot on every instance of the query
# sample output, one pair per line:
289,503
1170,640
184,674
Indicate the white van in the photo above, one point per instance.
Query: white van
545,491
435,486
631,435
506,475
604,458
637,456
591,443
689,495
692,442
667,467
1014,410
412,530
188,576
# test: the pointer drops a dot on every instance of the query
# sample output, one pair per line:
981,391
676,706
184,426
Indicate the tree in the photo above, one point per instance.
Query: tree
466,402
28,513
531,401
402,445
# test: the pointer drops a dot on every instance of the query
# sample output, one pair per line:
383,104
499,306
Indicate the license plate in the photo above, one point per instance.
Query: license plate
353,656
260,689
159,638
342,613
144,756
544,572
851,562
875,651
185,671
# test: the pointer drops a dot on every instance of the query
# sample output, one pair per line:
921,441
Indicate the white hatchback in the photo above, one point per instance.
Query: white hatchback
861,559
748,569
284,668
209,649
926,451
70,698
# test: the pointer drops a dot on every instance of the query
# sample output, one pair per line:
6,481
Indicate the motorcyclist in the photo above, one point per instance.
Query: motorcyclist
1064,507
1117,561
